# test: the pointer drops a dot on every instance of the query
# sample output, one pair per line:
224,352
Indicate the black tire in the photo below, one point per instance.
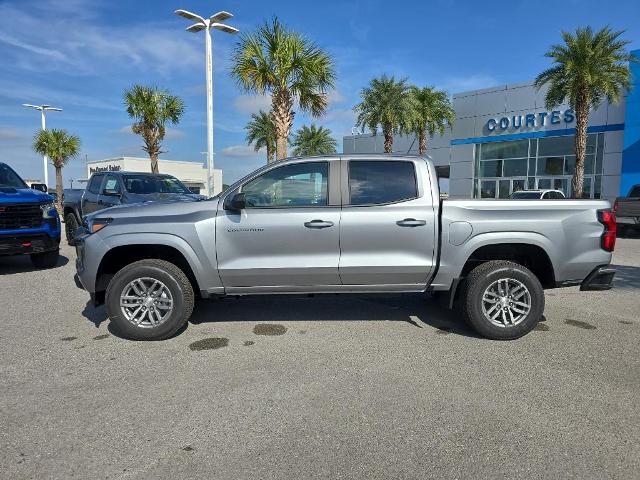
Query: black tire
484,276
45,260
70,226
172,277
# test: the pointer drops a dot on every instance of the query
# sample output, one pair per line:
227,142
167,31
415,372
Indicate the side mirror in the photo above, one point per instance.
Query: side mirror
235,202
40,187
111,193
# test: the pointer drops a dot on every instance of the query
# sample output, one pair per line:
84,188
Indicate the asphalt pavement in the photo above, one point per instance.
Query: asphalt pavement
377,386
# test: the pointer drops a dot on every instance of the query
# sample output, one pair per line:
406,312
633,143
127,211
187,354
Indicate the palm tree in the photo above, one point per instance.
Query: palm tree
262,133
313,141
588,67
386,103
290,68
152,108
60,147
433,113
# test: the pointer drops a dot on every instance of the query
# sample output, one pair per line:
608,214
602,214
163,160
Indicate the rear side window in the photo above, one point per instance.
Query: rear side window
372,183
635,191
94,184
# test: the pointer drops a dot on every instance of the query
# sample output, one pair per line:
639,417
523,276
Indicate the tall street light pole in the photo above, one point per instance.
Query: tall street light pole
215,21
44,108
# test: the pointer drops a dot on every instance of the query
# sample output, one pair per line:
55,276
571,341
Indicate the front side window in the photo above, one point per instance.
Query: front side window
296,185
111,185
381,182
9,178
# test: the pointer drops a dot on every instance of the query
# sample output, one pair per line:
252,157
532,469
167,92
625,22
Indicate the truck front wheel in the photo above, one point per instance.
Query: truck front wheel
149,300
502,300
70,227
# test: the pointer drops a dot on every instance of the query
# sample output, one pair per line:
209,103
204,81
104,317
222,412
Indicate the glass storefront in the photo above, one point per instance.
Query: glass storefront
505,167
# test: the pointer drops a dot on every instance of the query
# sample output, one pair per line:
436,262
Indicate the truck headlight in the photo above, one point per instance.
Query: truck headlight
96,224
49,210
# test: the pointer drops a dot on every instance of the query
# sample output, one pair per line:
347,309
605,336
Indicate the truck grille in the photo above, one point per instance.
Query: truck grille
14,217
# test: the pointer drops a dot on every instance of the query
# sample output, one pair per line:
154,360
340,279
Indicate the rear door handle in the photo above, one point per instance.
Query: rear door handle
318,224
411,222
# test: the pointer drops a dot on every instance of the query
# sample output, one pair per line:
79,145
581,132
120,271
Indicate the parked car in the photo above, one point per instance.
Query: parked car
29,221
108,189
628,210
537,194
350,224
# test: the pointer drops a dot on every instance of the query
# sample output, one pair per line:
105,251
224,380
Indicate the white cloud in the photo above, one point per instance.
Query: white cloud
241,151
82,47
10,133
248,104
170,133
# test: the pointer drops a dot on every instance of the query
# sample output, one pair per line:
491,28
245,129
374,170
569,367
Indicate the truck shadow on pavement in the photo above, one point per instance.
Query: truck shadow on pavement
22,264
627,277
414,310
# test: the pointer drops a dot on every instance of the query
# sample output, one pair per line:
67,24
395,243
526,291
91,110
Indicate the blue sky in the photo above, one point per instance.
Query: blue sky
82,54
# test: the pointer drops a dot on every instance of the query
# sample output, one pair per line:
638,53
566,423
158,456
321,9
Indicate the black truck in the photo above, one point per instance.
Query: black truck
109,189
628,210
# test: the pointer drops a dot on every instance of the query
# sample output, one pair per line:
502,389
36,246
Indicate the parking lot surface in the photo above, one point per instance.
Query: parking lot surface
376,386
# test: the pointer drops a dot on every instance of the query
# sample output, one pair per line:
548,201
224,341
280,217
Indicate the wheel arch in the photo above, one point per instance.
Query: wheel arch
119,256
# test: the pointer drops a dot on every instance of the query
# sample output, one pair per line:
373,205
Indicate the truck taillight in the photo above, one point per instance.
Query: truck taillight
615,206
608,238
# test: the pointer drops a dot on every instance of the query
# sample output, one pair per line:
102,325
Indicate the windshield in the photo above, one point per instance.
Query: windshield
524,195
148,184
9,178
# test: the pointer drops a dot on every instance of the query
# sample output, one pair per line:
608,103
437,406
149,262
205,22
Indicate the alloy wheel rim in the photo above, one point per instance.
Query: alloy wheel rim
506,302
146,302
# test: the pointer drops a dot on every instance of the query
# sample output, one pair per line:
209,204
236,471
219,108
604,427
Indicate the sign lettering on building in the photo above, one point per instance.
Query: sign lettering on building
106,168
530,120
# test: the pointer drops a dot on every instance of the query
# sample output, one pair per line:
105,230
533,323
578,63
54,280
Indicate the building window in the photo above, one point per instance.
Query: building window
546,163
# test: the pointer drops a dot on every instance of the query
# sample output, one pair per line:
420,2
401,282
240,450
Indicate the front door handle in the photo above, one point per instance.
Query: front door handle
411,222
318,224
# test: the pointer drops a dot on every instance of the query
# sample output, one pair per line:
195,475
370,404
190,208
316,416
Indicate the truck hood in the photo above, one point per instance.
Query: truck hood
163,197
23,195
174,205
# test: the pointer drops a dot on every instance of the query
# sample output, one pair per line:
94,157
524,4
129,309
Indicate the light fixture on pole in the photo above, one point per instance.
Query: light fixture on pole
43,108
215,21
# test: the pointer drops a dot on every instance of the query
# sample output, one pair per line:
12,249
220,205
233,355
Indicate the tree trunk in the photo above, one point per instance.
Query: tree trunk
582,118
269,154
281,105
422,142
388,139
154,162
59,189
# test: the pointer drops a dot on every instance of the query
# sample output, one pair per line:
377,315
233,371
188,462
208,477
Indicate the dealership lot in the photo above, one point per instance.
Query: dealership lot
330,386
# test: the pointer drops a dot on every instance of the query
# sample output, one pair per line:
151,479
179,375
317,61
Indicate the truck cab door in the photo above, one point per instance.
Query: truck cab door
388,229
89,201
286,238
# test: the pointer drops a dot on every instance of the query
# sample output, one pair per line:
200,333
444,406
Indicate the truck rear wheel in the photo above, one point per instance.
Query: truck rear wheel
70,227
149,300
502,300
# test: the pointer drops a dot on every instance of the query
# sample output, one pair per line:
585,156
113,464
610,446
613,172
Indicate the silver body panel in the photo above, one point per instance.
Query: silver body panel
269,250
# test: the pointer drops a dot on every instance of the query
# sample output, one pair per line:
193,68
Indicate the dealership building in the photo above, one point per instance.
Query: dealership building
192,174
505,139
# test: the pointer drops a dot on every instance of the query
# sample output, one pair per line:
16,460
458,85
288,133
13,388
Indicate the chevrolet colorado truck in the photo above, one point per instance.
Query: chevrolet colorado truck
628,210
108,189
29,221
343,224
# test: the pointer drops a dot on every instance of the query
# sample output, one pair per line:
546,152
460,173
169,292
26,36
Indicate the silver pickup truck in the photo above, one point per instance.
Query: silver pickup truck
343,224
